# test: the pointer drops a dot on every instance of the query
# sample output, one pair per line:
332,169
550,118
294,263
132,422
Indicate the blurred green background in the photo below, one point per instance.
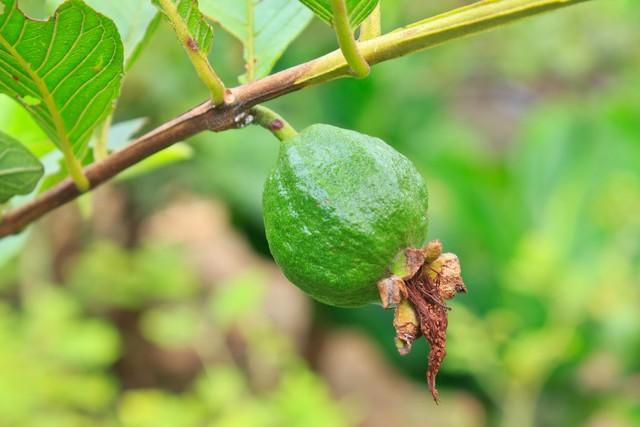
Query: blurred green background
154,302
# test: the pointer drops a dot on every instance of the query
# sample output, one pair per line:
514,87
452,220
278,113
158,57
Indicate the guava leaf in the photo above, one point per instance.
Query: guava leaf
16,122
135,21
358,10
199,29
65,71
20,170
264,27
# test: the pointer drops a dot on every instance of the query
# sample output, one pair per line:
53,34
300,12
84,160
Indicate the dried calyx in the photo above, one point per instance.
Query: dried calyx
423,280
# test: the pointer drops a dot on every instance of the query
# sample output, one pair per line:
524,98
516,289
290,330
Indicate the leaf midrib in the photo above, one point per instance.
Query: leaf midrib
24,169
47,97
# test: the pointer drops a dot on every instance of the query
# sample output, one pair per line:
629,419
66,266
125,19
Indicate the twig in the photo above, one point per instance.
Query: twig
422,35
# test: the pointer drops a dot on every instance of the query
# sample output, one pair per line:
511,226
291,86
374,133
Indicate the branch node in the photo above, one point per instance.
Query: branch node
229,97
243,119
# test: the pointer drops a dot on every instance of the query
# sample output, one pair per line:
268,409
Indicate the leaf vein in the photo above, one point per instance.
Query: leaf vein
89,81
54,33
8,18
90,102
70,50
77,67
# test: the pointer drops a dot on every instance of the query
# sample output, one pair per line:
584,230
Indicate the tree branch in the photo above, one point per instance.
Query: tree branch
430,32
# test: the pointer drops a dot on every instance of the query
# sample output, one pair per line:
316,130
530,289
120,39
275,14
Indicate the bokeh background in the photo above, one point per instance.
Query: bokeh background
154,302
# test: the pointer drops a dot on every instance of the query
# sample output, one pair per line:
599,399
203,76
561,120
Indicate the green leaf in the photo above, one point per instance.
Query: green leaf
264,27
136,22
16,122
20,170
358,10
65,71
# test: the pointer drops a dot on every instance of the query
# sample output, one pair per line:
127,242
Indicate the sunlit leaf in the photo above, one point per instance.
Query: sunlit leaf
65,71
134,19
16,122
264,27
358,10
20,170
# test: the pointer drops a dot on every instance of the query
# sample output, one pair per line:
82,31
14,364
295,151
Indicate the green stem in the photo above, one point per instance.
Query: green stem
427,33
371,27
346,41
101,147
198,58
74,167
273,122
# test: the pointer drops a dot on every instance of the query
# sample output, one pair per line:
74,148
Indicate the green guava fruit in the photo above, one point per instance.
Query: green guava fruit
339,208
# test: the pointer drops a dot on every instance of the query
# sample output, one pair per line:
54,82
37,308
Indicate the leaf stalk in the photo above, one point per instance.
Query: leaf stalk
348,45
198,58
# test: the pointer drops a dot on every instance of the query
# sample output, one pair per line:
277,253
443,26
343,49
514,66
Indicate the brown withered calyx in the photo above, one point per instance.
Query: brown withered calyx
418,293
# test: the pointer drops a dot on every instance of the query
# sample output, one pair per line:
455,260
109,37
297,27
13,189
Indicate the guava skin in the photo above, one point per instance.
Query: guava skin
338,208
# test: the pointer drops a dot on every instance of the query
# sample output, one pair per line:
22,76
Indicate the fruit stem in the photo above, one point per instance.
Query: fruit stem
359,66
273,122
